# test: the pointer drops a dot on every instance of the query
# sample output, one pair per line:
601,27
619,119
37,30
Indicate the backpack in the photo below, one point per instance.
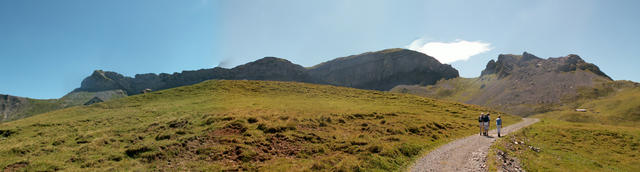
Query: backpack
485,118
481,118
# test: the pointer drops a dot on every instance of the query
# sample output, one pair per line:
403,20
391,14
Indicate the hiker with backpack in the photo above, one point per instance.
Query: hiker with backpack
486,121
480,123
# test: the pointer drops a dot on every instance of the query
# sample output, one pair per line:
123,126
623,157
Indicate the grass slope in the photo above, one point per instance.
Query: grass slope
619,107
231,125
570,146
455,89
605,138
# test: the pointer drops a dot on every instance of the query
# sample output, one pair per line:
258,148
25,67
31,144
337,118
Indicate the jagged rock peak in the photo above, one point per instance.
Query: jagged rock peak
573,62
98,74
515,59
100,80
527,56
508,64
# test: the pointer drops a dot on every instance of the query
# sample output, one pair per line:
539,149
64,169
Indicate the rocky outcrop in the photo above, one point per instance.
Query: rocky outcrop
100,80
380,70
508,64
383,70
10,105
94,100
272,68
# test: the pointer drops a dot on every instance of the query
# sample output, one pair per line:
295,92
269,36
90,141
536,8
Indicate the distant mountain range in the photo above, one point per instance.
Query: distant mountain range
380,70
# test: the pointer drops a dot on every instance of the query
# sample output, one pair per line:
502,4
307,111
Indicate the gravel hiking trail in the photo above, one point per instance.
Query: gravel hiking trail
466,154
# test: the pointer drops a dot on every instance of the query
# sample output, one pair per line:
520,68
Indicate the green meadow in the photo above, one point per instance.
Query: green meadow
604,138
571,146
239,125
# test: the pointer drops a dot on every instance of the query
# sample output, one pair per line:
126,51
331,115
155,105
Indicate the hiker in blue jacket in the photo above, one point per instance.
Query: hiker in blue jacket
498,124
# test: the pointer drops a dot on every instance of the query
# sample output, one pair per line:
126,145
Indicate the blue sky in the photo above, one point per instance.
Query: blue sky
48,47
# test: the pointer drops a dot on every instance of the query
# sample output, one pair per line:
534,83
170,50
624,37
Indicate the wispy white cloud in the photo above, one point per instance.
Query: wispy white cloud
447,52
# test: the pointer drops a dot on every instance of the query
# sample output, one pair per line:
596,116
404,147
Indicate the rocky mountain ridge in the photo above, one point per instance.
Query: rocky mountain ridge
528,63
381,70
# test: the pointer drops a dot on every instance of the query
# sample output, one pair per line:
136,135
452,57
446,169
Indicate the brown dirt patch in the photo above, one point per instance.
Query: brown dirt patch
15,166
279,145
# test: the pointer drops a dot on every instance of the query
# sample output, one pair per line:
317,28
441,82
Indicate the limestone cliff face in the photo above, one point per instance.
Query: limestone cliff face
380,70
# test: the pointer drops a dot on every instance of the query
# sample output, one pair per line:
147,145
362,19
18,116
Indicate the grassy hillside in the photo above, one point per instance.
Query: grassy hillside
231,125
571,146
612,106
455,89
605,138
